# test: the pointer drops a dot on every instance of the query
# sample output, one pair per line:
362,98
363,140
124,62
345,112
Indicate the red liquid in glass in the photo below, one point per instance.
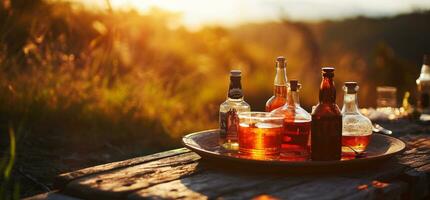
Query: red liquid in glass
260,139
296,138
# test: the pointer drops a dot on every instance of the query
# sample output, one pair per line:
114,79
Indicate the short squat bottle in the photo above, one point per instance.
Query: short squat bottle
356,128
297,123
280,86
228,112
326,132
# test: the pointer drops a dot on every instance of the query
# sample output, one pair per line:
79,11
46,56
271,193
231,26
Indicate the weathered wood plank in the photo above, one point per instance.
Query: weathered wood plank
115,184
318,188
212,185
182,176
417,161
192,187
61,180
418,184
394,190
224,185
54,195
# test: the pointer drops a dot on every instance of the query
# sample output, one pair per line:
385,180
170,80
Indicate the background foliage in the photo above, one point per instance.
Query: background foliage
86,87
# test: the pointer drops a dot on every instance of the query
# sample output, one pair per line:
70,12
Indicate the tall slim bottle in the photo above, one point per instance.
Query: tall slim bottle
423,86
279,97
326,133
228,112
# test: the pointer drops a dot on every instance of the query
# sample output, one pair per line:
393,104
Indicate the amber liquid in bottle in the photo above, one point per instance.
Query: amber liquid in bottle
326,135
297,126
296,136
357,129
279,97
356,142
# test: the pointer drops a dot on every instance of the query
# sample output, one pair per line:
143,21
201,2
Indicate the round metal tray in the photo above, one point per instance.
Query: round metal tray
205,143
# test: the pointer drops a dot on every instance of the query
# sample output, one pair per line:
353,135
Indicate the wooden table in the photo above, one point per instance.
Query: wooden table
183,174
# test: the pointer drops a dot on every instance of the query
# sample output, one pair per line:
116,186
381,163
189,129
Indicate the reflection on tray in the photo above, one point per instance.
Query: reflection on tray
283,156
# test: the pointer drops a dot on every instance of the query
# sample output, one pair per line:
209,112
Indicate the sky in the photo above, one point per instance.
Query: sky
196,13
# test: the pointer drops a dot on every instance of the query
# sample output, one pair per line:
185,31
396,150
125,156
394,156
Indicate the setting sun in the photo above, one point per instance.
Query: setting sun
226,12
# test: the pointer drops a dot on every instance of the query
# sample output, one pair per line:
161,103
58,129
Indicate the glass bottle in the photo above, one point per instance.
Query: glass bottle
228,112
356,128
326,131
297,123
423,86
280,89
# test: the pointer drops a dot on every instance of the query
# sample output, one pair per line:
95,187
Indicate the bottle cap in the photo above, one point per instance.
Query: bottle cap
280,62
235,88
294,85
426,59
235,73
280,59
328,72
351,87
328,69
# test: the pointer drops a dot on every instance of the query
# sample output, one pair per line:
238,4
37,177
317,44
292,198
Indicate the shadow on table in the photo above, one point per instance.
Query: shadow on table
216,180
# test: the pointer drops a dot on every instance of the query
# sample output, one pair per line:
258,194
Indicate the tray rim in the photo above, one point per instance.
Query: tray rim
209,154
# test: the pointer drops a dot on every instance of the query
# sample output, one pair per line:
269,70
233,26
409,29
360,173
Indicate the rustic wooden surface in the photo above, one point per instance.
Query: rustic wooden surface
183,174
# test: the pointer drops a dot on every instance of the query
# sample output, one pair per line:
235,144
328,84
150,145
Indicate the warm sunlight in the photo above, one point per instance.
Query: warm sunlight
214,99
227,12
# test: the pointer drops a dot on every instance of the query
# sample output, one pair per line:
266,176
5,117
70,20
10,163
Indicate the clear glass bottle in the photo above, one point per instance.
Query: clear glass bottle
356,128
228,112
297,123
326,125
279,97
423,86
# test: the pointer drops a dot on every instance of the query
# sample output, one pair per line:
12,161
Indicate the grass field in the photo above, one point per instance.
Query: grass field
79,88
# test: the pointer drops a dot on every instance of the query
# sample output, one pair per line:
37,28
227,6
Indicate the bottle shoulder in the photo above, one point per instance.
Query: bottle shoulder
294,112
357,117
324,109
241,105
275,99
353,125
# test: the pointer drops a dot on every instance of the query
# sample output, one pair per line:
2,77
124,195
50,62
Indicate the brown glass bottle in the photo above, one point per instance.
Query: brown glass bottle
326,135
279,97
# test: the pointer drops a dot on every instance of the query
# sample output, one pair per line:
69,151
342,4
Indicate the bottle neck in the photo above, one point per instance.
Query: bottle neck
327,92
293,98
424,75
350,103
425,69
235,89
280,88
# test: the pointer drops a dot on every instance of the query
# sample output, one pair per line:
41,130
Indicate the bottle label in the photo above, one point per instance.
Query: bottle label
229,123
223,125
232,125
235,93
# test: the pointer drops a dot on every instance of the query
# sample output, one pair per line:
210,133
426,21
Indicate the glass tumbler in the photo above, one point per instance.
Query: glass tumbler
386,101
386,97
260,133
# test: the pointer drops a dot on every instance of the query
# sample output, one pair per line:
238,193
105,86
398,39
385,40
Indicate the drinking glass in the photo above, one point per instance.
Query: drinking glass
386,97
386,101
260,133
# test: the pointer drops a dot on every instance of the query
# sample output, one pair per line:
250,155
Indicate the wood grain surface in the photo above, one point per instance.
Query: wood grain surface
181,174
